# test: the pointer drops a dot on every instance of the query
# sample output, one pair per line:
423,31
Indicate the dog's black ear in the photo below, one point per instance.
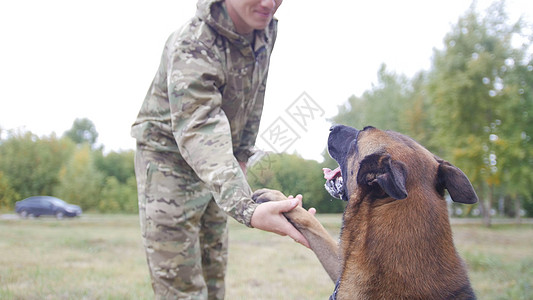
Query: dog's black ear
389,174
393,180
455,181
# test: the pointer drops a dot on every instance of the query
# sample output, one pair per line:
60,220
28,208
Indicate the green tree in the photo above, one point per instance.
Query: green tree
516,149
110,198
79,180
470,99
130,203
415,119
82,131
32,164
116,164
119,194
117,197
8,196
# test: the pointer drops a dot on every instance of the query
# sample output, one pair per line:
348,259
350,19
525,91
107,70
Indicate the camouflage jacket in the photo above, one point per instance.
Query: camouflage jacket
206,100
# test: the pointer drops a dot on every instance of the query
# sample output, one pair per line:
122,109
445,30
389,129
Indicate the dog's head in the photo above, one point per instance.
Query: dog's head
387,164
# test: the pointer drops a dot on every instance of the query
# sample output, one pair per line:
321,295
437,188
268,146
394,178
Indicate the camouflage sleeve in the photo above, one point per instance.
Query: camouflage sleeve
244,152
202,130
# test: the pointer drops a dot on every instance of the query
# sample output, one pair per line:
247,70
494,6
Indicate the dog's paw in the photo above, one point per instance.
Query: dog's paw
267,195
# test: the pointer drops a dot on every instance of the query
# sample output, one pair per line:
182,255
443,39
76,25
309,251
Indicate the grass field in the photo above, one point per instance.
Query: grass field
101,257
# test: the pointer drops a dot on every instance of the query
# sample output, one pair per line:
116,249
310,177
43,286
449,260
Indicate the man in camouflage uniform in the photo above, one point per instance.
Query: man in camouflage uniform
195,132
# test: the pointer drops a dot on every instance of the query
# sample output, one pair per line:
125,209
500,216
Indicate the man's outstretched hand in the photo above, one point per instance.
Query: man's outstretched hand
269,216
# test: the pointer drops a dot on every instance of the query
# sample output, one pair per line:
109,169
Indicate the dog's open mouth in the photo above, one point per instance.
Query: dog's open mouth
334,183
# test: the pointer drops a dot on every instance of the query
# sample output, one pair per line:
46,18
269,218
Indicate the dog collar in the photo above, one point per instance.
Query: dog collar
334,295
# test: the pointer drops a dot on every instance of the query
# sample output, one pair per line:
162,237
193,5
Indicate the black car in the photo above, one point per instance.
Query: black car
45,205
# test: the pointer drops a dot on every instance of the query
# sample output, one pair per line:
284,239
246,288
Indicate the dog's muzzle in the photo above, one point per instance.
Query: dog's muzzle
334,182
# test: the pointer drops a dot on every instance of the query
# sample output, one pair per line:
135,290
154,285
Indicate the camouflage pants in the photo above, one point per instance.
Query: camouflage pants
184,231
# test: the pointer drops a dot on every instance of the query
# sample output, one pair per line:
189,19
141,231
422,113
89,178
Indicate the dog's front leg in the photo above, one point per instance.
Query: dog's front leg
320,241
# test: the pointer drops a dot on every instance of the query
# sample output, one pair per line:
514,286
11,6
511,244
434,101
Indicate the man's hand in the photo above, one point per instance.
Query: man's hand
269,216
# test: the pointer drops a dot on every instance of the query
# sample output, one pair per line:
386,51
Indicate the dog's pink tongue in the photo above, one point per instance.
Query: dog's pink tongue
330,174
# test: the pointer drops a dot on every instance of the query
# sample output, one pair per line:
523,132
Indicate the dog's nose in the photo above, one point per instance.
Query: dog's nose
333,127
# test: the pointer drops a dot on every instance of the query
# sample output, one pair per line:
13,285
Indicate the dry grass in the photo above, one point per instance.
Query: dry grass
101,257
500,259
88,258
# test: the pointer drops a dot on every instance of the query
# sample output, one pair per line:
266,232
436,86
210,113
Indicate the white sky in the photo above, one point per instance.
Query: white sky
67,59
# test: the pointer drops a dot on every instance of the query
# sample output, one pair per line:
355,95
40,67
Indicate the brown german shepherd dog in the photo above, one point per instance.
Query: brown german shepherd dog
396,241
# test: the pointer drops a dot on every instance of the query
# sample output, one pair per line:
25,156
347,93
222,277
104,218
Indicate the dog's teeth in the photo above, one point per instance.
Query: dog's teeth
334,187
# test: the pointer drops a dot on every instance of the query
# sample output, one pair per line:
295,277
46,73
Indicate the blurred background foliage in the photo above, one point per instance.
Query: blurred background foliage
474,107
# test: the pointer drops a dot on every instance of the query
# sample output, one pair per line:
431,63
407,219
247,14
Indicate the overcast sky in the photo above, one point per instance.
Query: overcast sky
61,60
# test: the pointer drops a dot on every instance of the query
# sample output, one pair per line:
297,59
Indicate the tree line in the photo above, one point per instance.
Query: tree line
69,167
474,107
